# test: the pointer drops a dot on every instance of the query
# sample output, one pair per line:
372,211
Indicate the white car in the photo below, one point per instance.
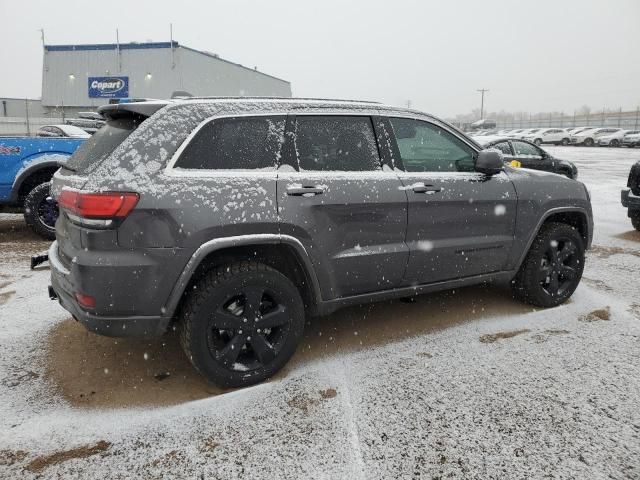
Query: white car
588,138
68,131
631,139
557,136
519,133
615,139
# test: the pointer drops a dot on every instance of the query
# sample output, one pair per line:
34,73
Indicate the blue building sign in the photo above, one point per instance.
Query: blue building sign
108,87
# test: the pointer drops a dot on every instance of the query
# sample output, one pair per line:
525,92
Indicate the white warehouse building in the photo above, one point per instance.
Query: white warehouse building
83,77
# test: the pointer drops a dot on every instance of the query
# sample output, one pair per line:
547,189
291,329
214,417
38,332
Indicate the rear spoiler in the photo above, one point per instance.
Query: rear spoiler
146,109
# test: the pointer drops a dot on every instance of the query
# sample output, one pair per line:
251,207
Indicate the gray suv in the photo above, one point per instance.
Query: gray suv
232,219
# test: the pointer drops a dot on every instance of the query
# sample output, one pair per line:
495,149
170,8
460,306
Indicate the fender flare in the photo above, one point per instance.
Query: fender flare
544,218
34,163
237,241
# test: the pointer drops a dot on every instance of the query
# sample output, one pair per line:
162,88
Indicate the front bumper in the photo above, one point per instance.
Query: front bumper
121,326
629,200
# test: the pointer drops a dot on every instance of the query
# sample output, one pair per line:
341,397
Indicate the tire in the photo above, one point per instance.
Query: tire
635,220
614,143
41,212
588,142
538,141
547,279
241,323
565,142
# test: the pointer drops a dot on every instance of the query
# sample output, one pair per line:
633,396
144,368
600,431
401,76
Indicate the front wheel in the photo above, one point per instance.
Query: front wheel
41,211
553,267
241,323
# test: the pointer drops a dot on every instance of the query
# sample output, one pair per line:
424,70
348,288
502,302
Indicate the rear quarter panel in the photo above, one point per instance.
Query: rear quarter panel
18,155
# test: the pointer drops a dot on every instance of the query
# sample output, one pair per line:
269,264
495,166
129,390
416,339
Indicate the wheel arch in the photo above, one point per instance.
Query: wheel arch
39,169
574,216
281,252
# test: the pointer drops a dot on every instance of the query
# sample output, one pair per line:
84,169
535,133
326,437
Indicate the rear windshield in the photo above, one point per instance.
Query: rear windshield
102,143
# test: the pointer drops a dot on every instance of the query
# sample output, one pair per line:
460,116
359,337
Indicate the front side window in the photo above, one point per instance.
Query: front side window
336,143
425,147
240,143
523,149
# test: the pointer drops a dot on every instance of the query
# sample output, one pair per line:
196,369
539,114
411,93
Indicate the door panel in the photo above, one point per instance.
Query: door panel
349,213
461,222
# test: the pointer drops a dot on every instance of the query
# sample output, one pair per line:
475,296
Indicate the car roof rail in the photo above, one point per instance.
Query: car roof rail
292,99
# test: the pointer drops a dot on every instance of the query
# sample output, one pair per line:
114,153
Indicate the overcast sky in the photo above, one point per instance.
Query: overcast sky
534,55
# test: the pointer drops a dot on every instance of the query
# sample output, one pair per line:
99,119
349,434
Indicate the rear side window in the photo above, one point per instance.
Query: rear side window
336,143
241,143
102,143
503,147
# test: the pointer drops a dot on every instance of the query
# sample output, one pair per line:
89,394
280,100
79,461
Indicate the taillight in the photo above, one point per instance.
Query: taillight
97,209
87,302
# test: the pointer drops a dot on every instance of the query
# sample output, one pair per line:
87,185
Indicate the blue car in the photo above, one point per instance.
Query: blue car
26,167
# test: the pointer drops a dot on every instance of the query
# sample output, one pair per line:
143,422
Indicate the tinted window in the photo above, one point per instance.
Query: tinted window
526,149
503,147
243,143
102,143
336,143
424,147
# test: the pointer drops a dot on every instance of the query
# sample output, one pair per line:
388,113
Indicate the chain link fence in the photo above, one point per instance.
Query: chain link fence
629,120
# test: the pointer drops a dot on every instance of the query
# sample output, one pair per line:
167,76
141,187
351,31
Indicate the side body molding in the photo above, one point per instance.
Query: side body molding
238,241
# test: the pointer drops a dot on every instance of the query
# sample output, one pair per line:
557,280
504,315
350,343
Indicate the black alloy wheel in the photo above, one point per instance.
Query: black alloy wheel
241,323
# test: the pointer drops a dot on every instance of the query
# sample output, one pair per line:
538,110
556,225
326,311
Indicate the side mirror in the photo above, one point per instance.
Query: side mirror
489,162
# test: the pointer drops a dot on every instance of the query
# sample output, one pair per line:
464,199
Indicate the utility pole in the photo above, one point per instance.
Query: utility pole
482,91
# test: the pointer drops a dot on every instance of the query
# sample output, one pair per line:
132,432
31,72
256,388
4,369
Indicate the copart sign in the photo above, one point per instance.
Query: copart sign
108,87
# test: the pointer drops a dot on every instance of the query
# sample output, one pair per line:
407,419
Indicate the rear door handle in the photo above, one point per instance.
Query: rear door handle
300,191
422,188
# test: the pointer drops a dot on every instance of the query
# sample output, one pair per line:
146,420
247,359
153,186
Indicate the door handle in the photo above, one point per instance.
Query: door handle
300,191
422,188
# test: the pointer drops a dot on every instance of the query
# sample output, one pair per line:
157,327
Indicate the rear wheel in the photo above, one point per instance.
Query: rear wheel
614,143
241,323
565,141
553,267
538,141
635,219
588,142
41,211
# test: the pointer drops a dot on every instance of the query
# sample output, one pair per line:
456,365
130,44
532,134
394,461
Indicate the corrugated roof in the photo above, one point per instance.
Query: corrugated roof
147,45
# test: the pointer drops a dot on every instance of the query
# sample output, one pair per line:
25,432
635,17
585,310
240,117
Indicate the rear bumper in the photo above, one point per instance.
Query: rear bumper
629,200
111,326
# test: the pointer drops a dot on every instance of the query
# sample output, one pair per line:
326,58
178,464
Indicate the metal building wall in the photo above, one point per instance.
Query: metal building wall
154,72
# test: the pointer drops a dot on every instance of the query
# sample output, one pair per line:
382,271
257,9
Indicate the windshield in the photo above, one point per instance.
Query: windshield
102,143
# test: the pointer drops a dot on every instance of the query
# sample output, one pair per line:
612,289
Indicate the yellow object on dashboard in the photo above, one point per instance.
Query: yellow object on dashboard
515,163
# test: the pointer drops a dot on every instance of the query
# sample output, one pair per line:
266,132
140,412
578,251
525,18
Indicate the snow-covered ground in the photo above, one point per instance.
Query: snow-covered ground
462,384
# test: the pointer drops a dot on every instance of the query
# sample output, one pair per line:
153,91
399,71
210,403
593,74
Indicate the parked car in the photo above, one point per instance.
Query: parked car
63,131
530,155
631,196
524,133
631,138
614,139
557,136
26,167
589,137
233,219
